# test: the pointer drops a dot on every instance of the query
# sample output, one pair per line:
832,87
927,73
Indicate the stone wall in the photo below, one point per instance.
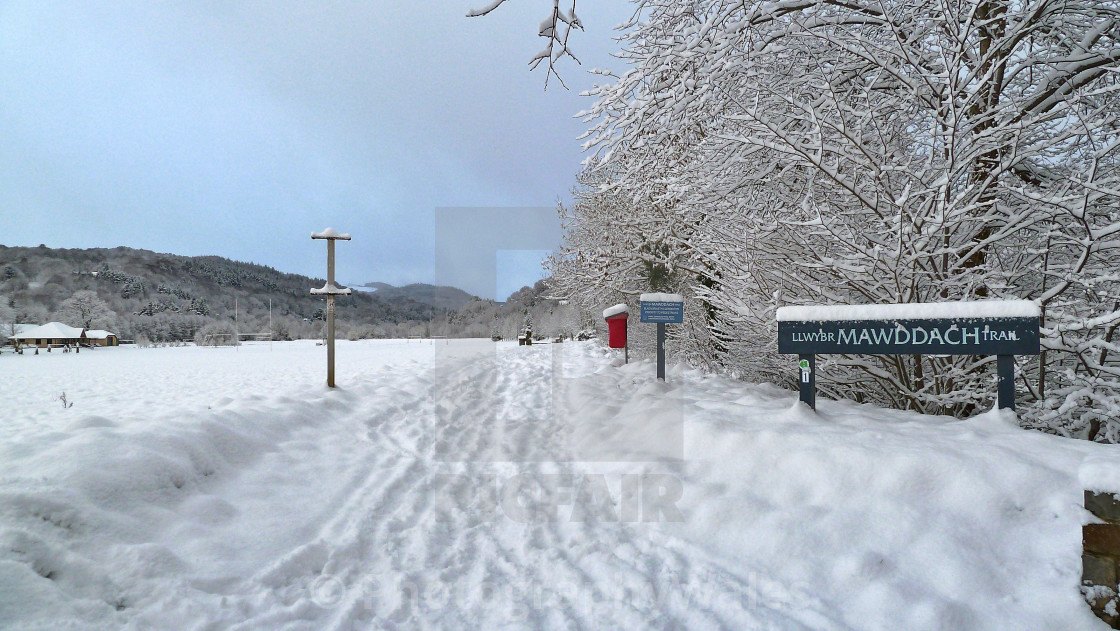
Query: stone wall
1100,559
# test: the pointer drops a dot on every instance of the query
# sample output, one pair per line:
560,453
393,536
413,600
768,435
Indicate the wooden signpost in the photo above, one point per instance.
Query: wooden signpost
330,290
989,327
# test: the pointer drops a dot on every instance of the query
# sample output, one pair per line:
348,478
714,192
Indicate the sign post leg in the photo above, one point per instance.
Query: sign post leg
330,315
807,378
661,351
330,341
1005,390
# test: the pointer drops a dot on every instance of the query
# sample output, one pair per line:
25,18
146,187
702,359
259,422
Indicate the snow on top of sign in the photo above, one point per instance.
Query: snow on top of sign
615,310
912,311
661,298
330,233
329,289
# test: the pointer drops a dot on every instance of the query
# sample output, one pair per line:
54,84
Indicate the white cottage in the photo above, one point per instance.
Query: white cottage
59,334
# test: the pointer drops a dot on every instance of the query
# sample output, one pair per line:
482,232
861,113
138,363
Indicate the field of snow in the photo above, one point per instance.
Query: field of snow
472,485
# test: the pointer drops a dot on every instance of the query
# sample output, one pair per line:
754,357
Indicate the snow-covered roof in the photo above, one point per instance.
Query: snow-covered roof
50,330
98,334
21,328
330,233
330,290
661,298
912,311
615,310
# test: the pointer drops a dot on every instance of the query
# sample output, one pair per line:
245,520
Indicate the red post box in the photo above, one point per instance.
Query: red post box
617,327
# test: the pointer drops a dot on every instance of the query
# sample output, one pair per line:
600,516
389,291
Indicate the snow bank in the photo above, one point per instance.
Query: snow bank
615,310
481,485
661,298
912,311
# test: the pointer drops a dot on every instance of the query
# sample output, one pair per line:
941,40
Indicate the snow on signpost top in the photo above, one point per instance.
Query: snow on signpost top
661,298
330,290
615,310
330,233
912,311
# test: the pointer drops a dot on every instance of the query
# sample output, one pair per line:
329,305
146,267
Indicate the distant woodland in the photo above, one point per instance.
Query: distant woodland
156,297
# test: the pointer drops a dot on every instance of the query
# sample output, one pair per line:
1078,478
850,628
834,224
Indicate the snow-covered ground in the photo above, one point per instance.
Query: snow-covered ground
468,485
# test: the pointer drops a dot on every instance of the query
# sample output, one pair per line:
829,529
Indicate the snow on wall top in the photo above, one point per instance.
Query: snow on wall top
615,310
330,290
912,311
330,233
1100,474
661,298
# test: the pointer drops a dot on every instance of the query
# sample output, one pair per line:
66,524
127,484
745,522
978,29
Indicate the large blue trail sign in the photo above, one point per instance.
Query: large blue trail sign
1000,328
662,309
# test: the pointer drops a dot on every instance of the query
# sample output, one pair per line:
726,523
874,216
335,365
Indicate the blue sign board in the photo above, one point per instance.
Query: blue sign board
663,312
1003,337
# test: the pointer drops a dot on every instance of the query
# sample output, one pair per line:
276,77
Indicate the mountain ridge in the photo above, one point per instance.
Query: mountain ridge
165,297
170,297
439,296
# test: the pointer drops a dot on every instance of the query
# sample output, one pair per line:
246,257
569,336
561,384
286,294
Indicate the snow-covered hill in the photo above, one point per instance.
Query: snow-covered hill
438,296
471,485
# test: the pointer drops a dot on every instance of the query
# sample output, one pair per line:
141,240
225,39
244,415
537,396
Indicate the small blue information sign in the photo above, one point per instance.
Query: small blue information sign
663,312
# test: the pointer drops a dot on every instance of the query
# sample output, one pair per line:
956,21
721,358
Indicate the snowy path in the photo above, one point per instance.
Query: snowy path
462,486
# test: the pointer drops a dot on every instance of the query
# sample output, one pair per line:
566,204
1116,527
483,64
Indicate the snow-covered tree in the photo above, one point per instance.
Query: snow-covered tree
86,310
28,313
872,152
7,320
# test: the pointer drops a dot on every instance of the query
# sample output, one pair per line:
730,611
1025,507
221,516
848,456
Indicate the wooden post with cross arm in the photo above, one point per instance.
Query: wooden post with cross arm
330,290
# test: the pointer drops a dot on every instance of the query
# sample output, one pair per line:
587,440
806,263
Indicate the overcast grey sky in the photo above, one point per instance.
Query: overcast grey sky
237,128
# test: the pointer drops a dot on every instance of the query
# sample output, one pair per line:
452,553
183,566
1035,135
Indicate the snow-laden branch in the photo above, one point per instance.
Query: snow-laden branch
556,27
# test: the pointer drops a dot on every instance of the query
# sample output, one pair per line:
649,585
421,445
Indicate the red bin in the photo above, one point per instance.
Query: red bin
616,324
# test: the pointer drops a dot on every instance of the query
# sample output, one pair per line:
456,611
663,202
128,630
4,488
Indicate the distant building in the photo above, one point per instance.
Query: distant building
97,337
59,334
50,334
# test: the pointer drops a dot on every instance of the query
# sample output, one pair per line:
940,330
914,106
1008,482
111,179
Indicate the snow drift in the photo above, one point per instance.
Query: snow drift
473,485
